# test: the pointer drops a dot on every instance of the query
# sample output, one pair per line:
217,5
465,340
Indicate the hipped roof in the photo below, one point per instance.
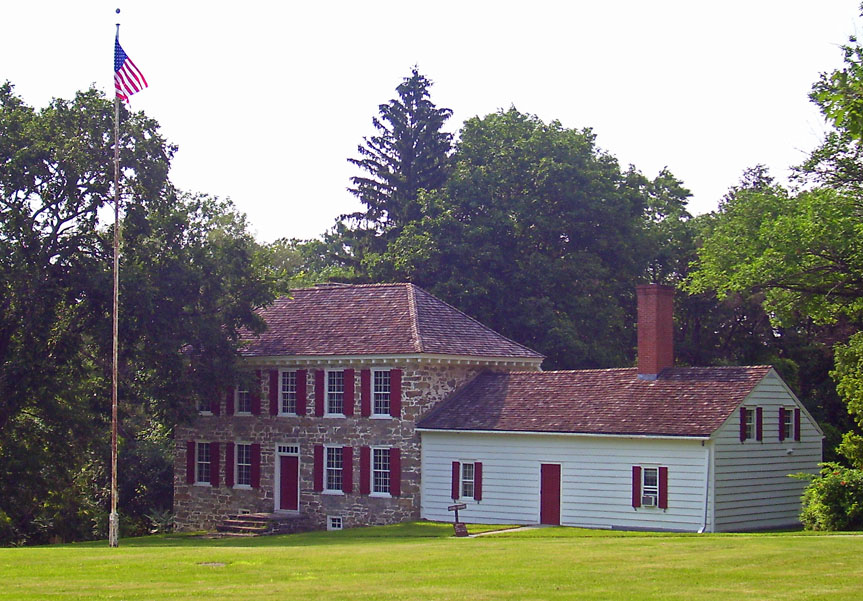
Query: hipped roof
375,319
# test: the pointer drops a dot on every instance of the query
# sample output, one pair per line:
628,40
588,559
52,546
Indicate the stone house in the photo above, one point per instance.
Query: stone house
324,428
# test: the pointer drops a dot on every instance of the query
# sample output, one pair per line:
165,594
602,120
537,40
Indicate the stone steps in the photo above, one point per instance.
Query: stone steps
258,524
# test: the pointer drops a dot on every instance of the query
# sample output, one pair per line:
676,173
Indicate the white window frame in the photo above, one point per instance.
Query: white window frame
471,481
385,473
788,424
335,522
650,490
338,457
750,423
239,390
328,392
199,446
237,464
376,393
283,392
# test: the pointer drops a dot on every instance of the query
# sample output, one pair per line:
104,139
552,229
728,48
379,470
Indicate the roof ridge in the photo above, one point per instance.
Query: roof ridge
414,318
479,323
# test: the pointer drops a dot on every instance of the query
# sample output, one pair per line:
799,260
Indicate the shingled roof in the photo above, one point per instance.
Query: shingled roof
375,319
692,401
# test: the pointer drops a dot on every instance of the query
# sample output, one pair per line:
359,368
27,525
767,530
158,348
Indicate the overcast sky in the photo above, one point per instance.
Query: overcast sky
267,100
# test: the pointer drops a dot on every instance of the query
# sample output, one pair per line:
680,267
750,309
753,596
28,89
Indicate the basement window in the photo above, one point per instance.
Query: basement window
334,522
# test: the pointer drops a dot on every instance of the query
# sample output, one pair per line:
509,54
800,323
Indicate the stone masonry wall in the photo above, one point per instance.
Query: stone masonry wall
424,385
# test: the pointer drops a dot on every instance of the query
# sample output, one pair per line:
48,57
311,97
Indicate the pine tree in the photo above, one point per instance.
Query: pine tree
410,153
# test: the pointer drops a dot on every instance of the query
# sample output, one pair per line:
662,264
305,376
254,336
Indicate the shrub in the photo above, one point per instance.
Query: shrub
834,499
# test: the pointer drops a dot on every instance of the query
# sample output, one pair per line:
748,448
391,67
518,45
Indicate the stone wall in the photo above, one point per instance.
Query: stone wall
424,385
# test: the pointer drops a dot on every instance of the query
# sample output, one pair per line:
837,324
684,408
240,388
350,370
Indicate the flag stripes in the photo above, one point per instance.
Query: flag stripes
128,79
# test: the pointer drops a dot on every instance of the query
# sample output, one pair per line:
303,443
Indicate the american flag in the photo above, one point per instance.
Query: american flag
127,78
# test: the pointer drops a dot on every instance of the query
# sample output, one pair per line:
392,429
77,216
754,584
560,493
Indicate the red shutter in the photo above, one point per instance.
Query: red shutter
758,423
349,392
636,486
229,401
190,462
214,464
396,392
229,464
395,472
347,469
319,393
663,488
781,424
255,393
215,406
797,425
301,392
477,481
365,470
255,471
742,424
274,392
366,392
319,468
456,477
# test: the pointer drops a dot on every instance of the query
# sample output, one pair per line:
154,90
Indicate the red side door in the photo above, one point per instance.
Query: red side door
289,482
549,494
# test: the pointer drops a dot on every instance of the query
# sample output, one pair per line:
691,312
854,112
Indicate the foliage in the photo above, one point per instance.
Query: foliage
409,154
537,234
190,280
839,94
834,499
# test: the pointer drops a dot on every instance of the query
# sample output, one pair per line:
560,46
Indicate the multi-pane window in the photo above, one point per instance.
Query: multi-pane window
244,464
650,482
381,393
202,462
750,423
244,399
788,424
334,468
203,406
289,392
467,480
380,470
336,392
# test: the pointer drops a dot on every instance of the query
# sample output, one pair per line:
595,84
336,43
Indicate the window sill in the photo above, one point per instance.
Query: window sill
203,484
243,413
381,416
381,495
337,493
335,415
288,415
242,487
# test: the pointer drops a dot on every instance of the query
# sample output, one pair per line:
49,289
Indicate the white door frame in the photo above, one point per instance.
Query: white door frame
284,449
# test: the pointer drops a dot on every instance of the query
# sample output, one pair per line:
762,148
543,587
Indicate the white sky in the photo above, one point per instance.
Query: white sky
267,101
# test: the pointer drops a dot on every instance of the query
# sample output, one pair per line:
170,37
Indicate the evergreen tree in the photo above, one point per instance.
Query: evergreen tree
409,153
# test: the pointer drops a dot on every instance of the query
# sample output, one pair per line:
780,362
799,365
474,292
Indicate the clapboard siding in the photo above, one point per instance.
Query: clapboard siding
752,483
596,478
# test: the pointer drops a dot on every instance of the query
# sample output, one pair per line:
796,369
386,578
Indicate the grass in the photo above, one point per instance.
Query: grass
423,561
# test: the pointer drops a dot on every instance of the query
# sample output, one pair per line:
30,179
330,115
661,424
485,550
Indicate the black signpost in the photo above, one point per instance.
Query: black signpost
460,529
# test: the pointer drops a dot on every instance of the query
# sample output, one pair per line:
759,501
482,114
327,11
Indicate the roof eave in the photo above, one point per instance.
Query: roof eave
564,433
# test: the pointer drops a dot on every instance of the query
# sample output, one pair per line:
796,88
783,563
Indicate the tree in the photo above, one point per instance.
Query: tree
537,234
190,279
409,154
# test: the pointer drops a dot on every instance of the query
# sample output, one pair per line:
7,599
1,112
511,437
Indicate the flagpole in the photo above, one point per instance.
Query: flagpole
113,518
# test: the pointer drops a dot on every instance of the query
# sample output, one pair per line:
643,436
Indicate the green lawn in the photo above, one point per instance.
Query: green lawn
422,561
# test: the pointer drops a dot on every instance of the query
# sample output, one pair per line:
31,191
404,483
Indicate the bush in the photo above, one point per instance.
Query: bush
834,500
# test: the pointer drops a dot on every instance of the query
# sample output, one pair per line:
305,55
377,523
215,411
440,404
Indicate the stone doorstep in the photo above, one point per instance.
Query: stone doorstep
257,524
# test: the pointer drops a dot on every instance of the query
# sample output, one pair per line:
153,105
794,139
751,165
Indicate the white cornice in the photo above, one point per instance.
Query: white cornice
418,358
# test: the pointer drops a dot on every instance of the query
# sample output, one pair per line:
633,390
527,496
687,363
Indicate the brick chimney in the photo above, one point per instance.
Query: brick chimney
655,329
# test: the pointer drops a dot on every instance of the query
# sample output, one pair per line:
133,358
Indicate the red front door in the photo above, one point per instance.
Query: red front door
289,482
549,494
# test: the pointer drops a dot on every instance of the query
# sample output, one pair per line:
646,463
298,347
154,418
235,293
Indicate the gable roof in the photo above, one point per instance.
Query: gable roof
375,319
688,401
